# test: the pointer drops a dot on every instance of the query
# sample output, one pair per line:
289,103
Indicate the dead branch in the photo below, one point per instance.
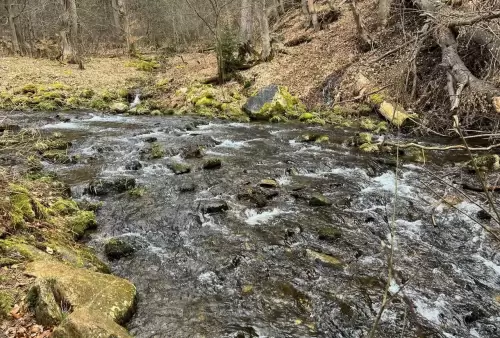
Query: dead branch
474,20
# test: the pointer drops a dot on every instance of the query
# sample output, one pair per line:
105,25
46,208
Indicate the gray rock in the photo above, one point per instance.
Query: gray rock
133,165
255,103
104,187
214,206
318,200
212,163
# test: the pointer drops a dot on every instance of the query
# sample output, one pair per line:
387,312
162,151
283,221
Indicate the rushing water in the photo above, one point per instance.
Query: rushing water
249,272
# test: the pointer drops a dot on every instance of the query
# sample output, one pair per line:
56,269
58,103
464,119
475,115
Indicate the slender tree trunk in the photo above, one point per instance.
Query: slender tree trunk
281,7
365,41
312,12
117,20
274,10
264,26
384,9
305,10
13,30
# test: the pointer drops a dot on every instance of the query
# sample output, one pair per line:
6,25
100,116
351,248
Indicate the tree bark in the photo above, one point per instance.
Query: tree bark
365,41
384,9
264,26
246,28
312,12
459,76
13,30
69,32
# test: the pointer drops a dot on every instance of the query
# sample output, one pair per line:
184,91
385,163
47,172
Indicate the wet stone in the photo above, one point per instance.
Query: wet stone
150,139
329,234
318,200
133,165
104,187
117,248
179,168
212,163
483,215
268,183
214,206
187,187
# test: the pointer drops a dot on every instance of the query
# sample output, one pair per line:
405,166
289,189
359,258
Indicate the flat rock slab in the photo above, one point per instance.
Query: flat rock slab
255,103
97,301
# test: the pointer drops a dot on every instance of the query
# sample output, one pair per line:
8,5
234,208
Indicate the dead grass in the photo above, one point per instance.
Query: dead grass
99,74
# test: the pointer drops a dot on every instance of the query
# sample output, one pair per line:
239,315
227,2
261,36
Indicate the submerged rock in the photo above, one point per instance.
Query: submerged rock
318,200
212,163
324,258
187,187
179,168
329,234
103,187
214,206
83,303
133,165
117,248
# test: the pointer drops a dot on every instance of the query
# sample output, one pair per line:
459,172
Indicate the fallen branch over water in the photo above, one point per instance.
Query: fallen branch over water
437,148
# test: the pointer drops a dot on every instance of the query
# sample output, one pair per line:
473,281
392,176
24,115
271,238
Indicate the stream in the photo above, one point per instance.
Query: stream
282,267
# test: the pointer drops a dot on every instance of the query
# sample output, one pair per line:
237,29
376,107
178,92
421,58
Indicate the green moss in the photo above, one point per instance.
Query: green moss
108,96
6,304
157,150
73,102
123,93
59,156
364,109
329,234
306,117
278,119
369,148
99,104
81,222
64,207
323,258
87,93
205,101
46,106
317,120
377,98
21,206
322,139
29,89
381,127
365,138
368,124
56,144
179,168
137,192
486,162
52,95
143,65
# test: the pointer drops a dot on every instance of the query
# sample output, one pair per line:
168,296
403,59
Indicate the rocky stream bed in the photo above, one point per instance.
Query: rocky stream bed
284,238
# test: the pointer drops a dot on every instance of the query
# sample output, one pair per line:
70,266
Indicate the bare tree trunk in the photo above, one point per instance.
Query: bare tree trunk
312,12
264,26
122,24
305,10
384,9
69,32
273,10
246,28
13,30
117,18
366,42
281,7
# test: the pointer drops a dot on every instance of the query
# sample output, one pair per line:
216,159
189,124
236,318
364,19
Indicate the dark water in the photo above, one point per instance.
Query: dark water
253,271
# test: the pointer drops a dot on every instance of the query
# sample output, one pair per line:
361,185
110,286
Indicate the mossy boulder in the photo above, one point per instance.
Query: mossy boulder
116,248
89,304
64,207
103,187
59,157
306,117
362,138
313,138
81,222
268,183
214,206
274,100
21,206
179,168
486,163
212,163
119,107
156,150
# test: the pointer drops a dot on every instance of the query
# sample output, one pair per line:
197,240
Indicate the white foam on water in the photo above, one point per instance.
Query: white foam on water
473,332
411,228
430,312
231,144
214,153
394,287
64,125
254,218
488,263
284,180
387,182
108,118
